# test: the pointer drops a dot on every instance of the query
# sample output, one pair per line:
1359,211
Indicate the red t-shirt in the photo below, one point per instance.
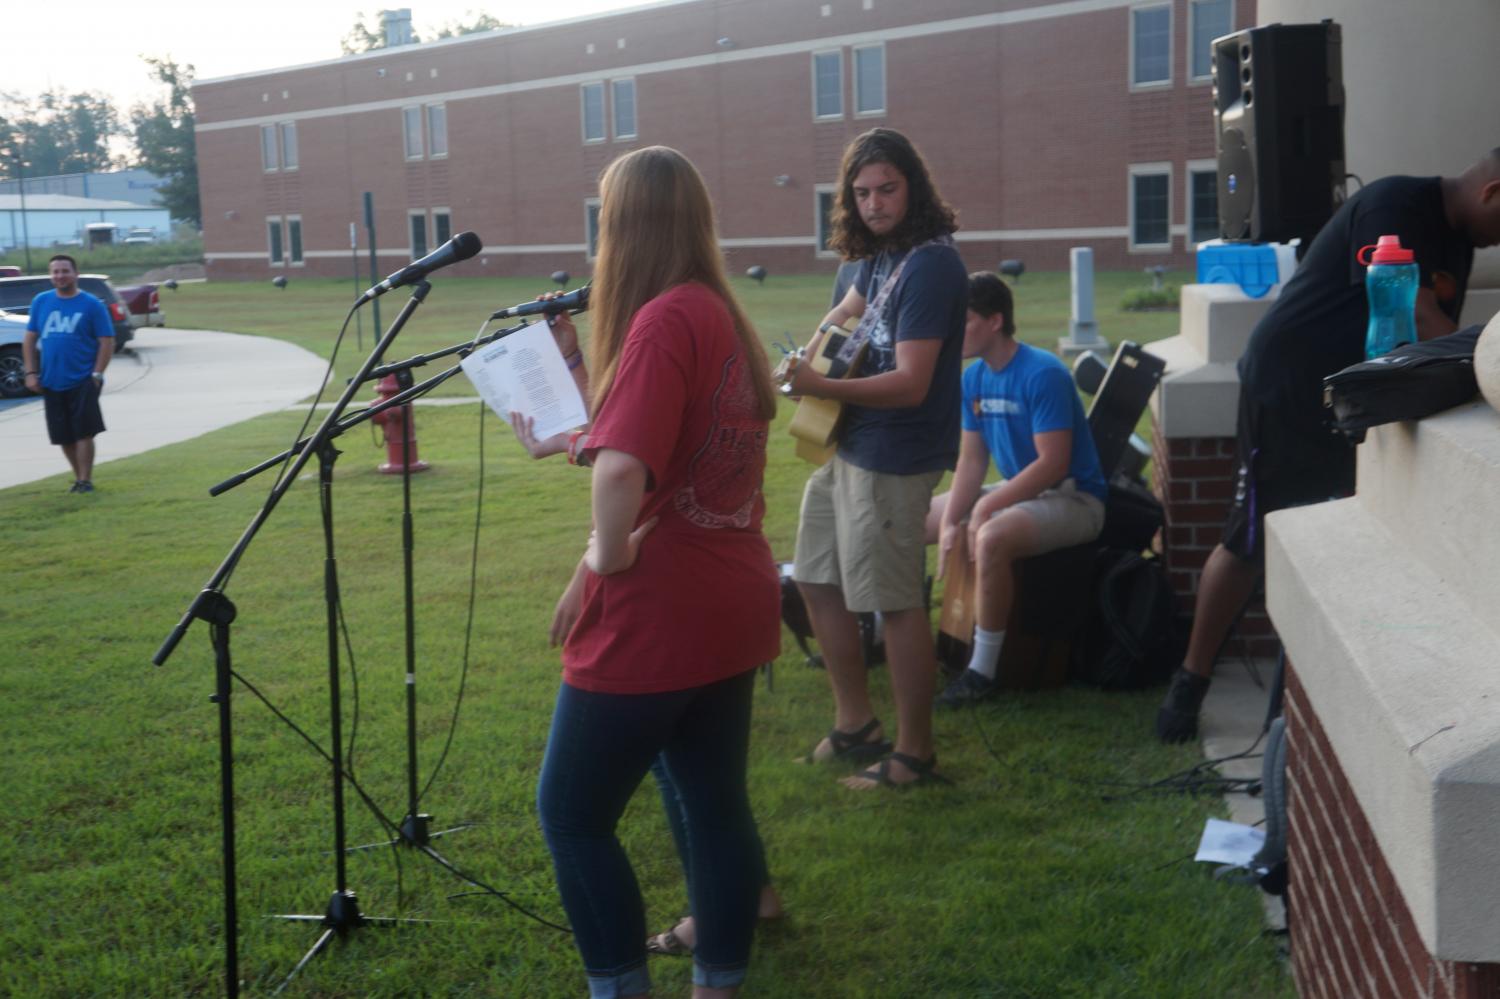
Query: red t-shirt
703,601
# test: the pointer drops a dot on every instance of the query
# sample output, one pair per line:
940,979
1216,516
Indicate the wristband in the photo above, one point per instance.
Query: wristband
575,456
574,359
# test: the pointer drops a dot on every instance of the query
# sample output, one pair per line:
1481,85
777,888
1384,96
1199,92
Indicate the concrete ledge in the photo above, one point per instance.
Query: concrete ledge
1196,398
1480,306
1401,674
1427,483
1218,319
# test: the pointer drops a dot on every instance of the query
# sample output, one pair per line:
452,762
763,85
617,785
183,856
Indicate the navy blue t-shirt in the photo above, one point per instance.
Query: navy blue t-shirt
930,302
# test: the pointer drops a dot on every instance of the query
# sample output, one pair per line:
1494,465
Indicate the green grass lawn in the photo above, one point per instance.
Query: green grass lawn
1032,877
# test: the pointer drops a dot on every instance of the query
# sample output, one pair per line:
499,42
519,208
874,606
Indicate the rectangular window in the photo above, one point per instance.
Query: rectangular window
411,124
828,84
591,96
869,80
591,225
442,226
825,195
1150,207
1151,45
1207,20
1203,202
273,239
418,225
622,92
268,147
437,129
289,145
294,239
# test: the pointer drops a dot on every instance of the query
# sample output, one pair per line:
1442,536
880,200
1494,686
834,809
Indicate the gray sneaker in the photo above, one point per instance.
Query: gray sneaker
969,687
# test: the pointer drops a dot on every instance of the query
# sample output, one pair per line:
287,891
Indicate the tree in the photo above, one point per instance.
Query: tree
368,33
164,140
58,133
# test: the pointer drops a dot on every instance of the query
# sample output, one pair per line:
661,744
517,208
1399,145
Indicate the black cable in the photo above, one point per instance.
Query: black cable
463,675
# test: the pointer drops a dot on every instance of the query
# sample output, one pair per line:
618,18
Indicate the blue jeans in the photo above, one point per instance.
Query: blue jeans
671,803
599,750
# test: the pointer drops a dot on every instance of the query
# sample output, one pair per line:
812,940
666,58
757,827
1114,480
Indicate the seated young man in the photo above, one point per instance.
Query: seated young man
1021,410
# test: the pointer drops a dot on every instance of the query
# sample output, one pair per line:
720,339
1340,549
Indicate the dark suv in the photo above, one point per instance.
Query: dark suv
16,294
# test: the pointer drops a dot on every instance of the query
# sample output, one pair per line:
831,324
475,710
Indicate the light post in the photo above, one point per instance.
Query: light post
17,154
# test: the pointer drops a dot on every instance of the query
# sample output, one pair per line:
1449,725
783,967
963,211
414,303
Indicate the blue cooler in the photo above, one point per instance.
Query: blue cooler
1252,266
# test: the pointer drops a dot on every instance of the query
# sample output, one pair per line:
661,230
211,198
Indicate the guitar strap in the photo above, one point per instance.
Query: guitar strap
874,309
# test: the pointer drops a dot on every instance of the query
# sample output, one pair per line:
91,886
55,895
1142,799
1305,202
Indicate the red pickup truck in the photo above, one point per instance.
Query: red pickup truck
142,305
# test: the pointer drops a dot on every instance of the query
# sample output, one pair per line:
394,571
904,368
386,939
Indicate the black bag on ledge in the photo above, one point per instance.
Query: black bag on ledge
1411,382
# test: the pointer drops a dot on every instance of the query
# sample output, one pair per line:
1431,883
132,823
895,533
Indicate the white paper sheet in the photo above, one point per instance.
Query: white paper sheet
1229,843
524,372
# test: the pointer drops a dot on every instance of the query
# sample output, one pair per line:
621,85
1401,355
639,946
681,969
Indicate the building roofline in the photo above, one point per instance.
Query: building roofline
443,42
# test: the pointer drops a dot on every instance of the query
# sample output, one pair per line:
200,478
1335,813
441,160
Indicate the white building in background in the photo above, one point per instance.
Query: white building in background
62,220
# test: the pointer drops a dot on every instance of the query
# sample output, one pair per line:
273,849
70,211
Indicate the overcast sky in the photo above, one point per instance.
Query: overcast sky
97,46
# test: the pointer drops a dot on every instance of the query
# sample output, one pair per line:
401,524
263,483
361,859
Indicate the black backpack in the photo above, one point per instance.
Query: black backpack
1413,381
1133,638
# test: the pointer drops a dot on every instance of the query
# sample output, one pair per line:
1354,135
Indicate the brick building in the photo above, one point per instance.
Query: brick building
1048,125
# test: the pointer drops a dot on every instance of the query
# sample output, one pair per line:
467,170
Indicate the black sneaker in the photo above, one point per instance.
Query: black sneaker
969,687
1177,718
82,486
74,487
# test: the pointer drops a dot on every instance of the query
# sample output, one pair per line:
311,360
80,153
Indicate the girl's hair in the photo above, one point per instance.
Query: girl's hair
656,231
927,214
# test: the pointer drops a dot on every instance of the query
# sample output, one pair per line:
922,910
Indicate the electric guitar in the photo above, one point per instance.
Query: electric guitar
815,424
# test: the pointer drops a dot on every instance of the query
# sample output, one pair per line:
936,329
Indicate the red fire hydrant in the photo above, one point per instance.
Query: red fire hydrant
399,426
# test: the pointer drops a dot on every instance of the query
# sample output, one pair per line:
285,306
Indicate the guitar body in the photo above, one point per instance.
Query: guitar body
815,424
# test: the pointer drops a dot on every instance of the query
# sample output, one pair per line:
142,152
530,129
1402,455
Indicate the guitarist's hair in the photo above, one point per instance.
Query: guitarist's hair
927,214
656,231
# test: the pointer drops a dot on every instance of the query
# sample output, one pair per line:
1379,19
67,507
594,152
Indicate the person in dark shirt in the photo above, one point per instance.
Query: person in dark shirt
1288,456
860,540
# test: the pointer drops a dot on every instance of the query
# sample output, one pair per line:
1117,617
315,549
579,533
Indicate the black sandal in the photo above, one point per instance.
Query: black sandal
856,746
926,771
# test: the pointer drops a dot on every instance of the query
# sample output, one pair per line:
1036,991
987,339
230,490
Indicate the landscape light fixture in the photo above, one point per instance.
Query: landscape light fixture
725,43
279,281
1156,272
1012,268
170,284
782,179
756,273
560,278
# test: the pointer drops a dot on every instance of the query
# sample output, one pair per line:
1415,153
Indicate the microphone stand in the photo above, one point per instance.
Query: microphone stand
214,607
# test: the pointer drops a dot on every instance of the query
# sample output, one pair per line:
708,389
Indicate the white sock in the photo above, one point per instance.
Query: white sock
986,657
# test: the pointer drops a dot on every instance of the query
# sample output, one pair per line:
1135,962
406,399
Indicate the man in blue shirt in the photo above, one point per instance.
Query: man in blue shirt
77,339
1021,410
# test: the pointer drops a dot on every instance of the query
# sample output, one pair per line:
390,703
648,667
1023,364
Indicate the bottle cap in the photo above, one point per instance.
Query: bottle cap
1387,251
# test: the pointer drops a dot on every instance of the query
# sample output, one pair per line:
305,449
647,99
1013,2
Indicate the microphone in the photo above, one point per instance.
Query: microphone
573,301
460,247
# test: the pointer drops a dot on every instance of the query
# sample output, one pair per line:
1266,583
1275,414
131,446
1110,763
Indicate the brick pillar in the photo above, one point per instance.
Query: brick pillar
1194,477
1352,933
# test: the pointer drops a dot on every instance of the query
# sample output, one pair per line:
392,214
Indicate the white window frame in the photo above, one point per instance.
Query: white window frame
839,53
277,246
1192,31
1191,169
432,233
413,214
270,159
614,110
408,133
432,145
286,229
583,113
1147,170
284,130
854,80
1150,84
818,191
590,238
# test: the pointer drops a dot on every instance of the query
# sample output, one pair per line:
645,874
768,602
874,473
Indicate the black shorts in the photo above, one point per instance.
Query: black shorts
1281,466
73,414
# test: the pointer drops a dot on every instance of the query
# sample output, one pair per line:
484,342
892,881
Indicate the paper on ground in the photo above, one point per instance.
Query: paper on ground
524,372
1229,843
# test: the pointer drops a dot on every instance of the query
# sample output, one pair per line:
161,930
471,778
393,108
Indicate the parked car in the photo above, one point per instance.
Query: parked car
139,235
12,367
142,305
16,294
10,270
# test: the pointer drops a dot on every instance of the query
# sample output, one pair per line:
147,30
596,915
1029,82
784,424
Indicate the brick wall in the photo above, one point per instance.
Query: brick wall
1352,934
1194,477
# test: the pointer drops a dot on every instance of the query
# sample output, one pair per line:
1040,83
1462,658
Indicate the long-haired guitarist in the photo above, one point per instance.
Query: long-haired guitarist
860,539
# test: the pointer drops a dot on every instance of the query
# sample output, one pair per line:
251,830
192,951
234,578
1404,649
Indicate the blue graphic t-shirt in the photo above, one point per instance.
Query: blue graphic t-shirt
68,330
1033,394
929,302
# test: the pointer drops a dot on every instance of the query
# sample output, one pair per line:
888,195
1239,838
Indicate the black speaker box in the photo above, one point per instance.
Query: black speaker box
1279,121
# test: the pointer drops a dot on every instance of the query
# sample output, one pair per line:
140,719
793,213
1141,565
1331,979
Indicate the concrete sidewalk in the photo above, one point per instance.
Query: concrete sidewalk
170,386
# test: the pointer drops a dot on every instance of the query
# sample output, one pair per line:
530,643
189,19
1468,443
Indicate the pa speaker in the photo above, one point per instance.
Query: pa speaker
1279,122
